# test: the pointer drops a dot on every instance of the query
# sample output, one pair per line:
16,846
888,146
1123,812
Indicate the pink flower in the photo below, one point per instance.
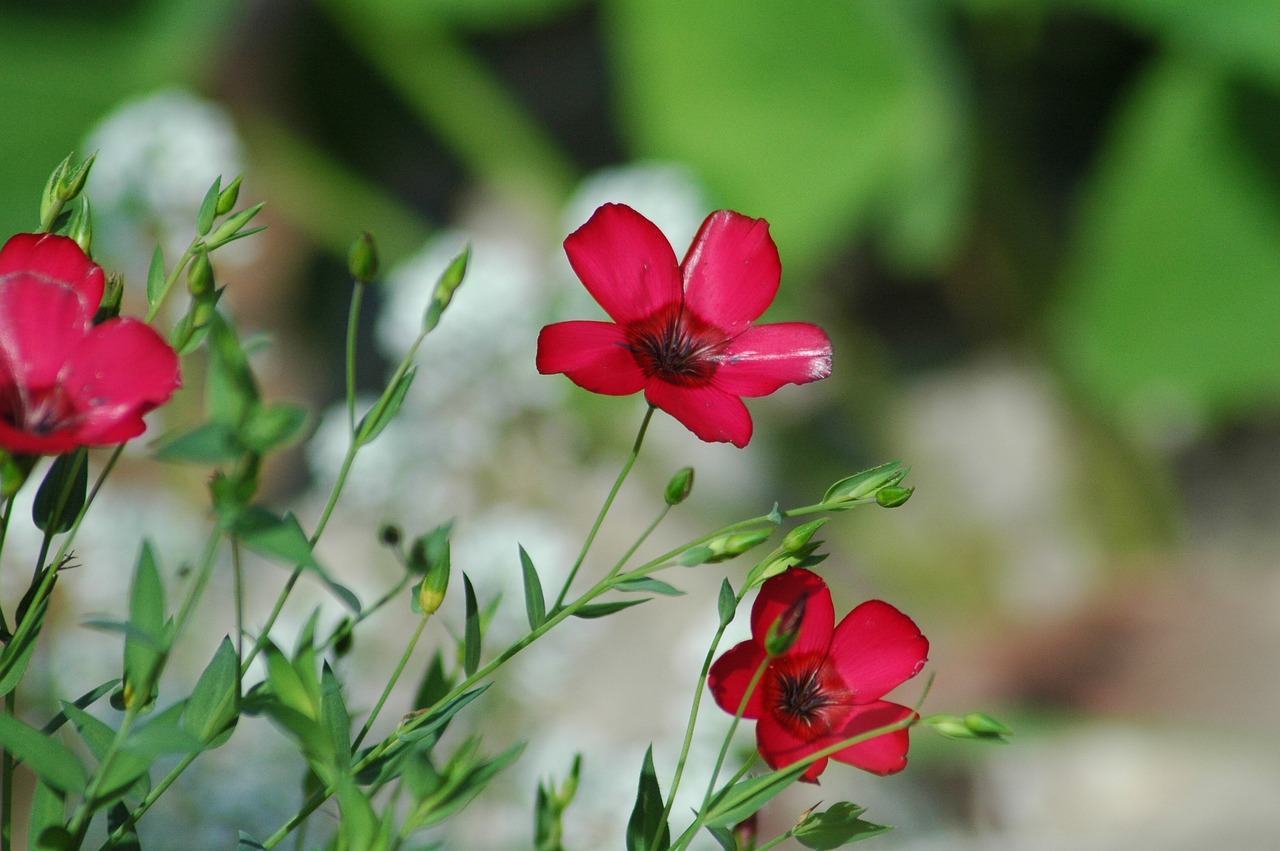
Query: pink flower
65,382
827,686
682,332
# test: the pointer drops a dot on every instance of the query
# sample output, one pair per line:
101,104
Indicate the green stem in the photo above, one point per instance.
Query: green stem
172,279
6,781
608,503
395,677
353,322
693,718
733,728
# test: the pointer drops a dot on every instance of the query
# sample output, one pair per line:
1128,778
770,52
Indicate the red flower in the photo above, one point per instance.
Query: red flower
827,686
65,382
683,331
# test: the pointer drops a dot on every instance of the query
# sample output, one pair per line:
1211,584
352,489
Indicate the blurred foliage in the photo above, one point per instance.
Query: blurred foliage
1100,178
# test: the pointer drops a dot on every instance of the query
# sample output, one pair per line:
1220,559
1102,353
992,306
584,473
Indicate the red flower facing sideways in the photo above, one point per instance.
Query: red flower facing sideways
827,686
682,332
65,382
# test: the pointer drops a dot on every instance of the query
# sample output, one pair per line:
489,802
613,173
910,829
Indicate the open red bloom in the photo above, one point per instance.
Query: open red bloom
65,382
682,332
827,686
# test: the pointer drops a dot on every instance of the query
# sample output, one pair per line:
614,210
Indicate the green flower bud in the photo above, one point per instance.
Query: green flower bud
390,535
227,197
231,227
985,725
362,258
200,275
731,546
432,589
950,726
679,487
783,632
891,496
80,226
798,538
71,181
866,483
111,298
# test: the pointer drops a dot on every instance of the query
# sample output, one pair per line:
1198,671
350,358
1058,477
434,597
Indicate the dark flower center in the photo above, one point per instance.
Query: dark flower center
39,412
804,694
676,346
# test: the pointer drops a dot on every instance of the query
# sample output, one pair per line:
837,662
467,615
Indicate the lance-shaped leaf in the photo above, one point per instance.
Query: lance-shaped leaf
282,538
471,629
212,707
61,494
147,640
646,823
47,757
535,605
447,284
836,827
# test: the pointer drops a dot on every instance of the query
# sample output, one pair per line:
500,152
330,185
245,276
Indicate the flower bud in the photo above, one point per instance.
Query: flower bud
679,487
200,275
732,546
71,181
798,538
783,632
985,725
891,496
866,483
389,534
227,197
112,295
432,589
362,258
80,226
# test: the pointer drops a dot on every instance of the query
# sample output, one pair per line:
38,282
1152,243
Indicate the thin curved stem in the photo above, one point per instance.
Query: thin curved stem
604,509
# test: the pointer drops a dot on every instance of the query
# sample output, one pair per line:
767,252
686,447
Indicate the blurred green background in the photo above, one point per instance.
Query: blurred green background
1044,235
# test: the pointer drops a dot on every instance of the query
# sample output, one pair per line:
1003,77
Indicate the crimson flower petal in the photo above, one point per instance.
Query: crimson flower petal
625,262
707,411
120,371
732,271
780,593
885,754
732,674
57,258
876,648
41,323
594,355
763,358
28,443
780,747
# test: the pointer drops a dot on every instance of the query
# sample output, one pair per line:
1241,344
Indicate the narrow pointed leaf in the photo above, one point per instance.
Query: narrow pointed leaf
441,716
727,603
646,823
535,605
156,278
61,494
471,630
48,757
648,585
600,610
385,409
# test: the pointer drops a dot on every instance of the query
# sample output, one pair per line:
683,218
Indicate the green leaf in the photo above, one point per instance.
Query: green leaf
600,610
737,802
232,228
127,771
282,538
1167,315
156,278
230,390
727,604
211,443
649,585
435,684
47,756
863,121
164,734
471,630
646,823
334,713
46,816
117,816
146,643
61,494
385,409
725,837
359,825
212,705
16,654
837,827
248,843
865,483
273,426
208,208
439,717
535,606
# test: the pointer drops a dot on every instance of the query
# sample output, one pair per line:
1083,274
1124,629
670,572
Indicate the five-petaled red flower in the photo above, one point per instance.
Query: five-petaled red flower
682,332
65,382
826,687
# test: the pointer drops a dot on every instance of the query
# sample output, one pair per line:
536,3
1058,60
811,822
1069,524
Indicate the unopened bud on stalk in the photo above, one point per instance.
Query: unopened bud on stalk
227,197
798,538
362,258
679,487
80,226
731,546
112,295
200,275
783,632
432,589
848,491
390,535
891,496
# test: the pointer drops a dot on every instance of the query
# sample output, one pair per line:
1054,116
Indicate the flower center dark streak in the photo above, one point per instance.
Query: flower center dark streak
675,347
